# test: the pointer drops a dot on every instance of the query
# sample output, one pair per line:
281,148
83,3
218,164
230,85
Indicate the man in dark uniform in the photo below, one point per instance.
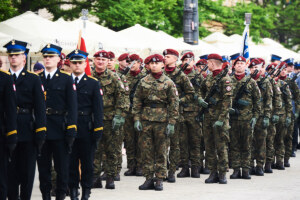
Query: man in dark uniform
90,125
61,111
31,122
8,127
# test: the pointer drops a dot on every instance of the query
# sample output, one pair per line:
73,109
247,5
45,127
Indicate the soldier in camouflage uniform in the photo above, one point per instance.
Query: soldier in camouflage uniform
133,151
243,116
186,95
114,106
216,120
155,110
190,138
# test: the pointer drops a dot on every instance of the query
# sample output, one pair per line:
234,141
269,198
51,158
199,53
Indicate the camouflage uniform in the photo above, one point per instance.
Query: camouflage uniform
155,104
241,130
114,104
186,95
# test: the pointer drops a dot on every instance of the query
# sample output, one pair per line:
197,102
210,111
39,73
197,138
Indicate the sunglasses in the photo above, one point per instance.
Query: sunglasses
48,56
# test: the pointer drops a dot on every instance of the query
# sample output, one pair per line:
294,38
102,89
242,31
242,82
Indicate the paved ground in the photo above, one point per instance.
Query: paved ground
281,185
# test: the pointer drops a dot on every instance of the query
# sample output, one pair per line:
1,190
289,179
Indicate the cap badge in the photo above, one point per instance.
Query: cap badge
13,42
48,45
76,51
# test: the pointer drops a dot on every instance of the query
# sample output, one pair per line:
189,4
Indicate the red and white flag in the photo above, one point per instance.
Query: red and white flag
81,46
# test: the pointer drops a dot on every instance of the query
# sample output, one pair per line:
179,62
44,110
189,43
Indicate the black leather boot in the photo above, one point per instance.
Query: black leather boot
85,193
110,184
46,196
259,171
147,185
97,183
130,172
213,178
185,172
103,177
236,174
268,168
74,194
195,172
60,196
159,185
245,174
139,172
280,166
117,178
286,162
171,177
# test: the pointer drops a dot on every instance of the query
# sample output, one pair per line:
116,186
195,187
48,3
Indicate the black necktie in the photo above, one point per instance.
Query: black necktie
48,79
15,78
76,81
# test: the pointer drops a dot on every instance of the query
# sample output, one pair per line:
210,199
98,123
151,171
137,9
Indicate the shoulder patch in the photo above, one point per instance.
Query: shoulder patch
92,77
6,72
64,72
32,73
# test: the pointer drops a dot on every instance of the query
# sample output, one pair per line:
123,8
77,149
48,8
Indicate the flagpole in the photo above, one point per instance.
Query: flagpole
245,46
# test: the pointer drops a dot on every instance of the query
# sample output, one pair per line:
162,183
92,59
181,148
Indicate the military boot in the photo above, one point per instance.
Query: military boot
194,172
159,185
273,166
97,183
147,185
293,154
245,174
185,172
280,166
46,196
206,170
130,172
286,162
200,168
104,176
171,177
139,172
222,178
268,168
60,196
259,171
213,178
117,178
252,171
85,193
110,183
236,174
74,194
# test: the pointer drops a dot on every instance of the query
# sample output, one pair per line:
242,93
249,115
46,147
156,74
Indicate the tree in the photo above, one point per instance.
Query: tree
7,10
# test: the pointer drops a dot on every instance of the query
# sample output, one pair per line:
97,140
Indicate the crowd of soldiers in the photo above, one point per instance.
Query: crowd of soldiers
203,117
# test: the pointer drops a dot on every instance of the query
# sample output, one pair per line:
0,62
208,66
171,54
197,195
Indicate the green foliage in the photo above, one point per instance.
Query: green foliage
7,10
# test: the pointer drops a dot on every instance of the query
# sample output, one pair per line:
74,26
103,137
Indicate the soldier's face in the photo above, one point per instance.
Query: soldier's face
111,64
240,66
256,67
156,67
210,65
123,64
78,67
51,61
136,66
100,63
283,72
170,59
16,60
290,68
186,60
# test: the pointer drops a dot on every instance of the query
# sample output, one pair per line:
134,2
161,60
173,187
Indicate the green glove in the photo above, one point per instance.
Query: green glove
275,119
170,129
253,122
296,115
202,103
266,122
116,123
122,121
138,126
231,111
218,124
288,121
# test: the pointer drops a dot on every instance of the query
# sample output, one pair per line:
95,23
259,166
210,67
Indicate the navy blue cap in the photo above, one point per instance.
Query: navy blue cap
204,57
51,49
26,52
225,58
289,61
275,57
297,65
234,56
38,66
77,55
15,47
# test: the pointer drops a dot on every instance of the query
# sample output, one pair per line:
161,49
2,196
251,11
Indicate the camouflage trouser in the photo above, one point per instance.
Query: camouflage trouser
288,140
190,139
240,143
132,146
174,153
202,145
279,138
259,144
153,143
120,159
216,144
270,151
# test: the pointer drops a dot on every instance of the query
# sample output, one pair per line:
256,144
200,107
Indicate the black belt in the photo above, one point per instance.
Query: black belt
84,113
154,105
50,111
24,110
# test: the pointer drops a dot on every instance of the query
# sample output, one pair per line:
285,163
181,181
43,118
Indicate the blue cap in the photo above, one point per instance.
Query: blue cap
15,47
38,66
51,49
275,57
297,65
234,56
77,55
225,58
204,57
26,52
289,61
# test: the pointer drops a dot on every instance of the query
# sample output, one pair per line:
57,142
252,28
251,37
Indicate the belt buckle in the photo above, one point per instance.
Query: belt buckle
18,109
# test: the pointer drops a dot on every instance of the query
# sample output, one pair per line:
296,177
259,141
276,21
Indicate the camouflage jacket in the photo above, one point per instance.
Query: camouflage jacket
295,92
221,101
156,100
193,105
113,94
276,99
266,98
286,97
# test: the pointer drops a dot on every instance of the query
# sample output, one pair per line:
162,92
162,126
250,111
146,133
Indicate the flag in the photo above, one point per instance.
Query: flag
81,46
245,45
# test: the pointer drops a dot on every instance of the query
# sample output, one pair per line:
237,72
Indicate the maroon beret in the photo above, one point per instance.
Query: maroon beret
134,57
102,54
171,51
215,57
111,55
123,56
187,55
147,60
67,62
254,62
141,60
262,61
156,58
201,62
240,58
281,65
225,64
271,66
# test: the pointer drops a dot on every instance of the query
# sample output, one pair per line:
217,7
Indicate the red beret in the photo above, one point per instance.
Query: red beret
171,51
187,55
281,65
271,66
147,60
62,56
201,62
67,62
156,58
215,57
240,58
102,54
123,56
111,55
225,64
141,60
262,61
134,57
254,62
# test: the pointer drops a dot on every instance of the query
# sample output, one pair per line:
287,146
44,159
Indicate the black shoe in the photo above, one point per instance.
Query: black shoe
280,166
268,168
252,171
236,174
110,183
85,193
159,185
205,170
200,168
147,185
245,174
194,172
117,178
185,172
53,192
293,154
286,162
74,194
139,172
130,172
222,178
298,146
104,176
60,196
213,178
171,177
97,183
273,166
46,196
259,171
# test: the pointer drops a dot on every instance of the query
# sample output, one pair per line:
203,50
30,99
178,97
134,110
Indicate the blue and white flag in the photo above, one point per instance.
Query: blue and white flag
245,45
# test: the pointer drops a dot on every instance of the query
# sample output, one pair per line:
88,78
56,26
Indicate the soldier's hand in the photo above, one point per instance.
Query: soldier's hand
116,123
218,124
39,145
170,129
10,147
253,122
275,119
202,103
70,140
138,126
231,111
288,121
266,122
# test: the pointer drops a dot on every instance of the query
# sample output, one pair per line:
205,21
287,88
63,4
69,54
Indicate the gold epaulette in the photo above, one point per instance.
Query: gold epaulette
6,72
32,73
92,77
64,72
